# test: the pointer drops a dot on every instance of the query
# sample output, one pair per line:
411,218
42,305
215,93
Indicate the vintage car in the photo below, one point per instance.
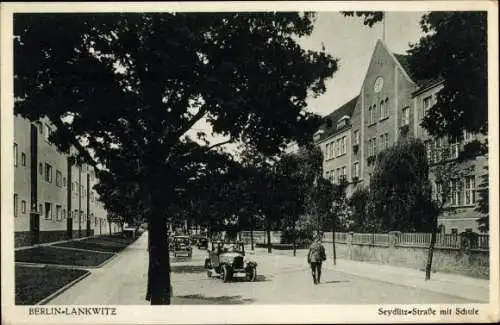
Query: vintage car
227,261
182,246
202,243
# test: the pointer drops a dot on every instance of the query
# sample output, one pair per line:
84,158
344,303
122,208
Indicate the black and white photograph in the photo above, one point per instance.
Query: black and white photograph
275,155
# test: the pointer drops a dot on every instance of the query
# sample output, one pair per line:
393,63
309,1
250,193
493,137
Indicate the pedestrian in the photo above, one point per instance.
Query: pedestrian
315,258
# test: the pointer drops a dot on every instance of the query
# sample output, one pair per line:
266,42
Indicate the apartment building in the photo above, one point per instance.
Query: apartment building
53,197
391,104
335,141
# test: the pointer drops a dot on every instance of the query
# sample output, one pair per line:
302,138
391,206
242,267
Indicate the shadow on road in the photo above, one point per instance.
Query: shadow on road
222,300
336,281
187,269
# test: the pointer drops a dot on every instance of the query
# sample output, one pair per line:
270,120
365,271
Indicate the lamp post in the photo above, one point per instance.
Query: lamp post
334,209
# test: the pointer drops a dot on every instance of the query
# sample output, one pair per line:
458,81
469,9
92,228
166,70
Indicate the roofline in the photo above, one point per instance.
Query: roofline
427,87
405,73
334,134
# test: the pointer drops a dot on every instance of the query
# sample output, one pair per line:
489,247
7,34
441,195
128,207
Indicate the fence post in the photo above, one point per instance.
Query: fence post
349,240
394,238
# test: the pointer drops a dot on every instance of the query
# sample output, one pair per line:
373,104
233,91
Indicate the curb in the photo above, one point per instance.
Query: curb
51,243
367,275
61,290
82,249
115,255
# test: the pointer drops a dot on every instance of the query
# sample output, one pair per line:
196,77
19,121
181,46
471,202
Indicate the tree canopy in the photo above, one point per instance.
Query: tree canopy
400,189
129,87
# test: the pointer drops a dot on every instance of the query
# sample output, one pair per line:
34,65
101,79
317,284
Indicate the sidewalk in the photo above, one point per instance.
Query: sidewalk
120,282
444,283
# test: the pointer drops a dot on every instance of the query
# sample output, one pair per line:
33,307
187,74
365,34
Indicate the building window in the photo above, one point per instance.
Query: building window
372,147
384,112
40,209
58,212
16,205
58,178
23,159
48,173
455,193
372,116
64,213
95,219
48,211
64,181
428,103
468,136
470,188
355,169
46,131
356,137
384,141
23,206
405,118
40,168
439,192
341,145
15,154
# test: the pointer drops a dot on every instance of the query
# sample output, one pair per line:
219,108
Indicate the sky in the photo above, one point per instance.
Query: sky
347,39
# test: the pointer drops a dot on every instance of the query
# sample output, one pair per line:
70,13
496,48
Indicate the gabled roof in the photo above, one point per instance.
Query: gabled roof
421,83
345,110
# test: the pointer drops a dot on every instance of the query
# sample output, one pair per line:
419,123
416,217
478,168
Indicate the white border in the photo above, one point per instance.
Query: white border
240,314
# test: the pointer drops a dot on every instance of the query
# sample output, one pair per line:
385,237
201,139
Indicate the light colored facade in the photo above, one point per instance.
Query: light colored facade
335,141
59,195
391,104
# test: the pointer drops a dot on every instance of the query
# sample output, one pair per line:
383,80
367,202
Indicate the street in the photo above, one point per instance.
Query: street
282,279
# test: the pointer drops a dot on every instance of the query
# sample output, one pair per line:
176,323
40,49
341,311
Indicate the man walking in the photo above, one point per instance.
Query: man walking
315,257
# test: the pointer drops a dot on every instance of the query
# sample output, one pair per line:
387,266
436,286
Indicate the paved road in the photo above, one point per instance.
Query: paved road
284,280
281,280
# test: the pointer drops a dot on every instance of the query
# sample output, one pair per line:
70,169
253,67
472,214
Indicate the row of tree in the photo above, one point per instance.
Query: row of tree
129,87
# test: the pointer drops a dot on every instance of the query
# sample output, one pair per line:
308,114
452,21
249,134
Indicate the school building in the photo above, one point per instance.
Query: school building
391,105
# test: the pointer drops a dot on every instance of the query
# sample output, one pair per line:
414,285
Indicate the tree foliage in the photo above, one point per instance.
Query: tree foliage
130,87
400,190
370,18
358,203
454,49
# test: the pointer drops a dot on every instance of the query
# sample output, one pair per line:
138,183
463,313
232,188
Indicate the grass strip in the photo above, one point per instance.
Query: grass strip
32,284
61,256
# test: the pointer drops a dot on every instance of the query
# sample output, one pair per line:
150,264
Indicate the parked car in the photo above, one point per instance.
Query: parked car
202,243
227,261
182,246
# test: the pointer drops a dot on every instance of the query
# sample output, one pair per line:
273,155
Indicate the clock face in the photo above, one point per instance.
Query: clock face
379,84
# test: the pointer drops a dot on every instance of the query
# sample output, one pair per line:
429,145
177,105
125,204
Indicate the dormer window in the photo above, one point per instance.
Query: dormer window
328,123
317,135
342,121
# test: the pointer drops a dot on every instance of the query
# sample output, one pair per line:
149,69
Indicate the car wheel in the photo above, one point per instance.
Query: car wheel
252,274
209,273
226,273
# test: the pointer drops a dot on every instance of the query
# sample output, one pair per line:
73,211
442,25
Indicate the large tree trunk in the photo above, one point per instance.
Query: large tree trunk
333,241
159,287
294,234
428,266
251,232
268,232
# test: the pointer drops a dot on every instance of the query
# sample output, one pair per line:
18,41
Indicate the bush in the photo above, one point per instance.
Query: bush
282,246
302,236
